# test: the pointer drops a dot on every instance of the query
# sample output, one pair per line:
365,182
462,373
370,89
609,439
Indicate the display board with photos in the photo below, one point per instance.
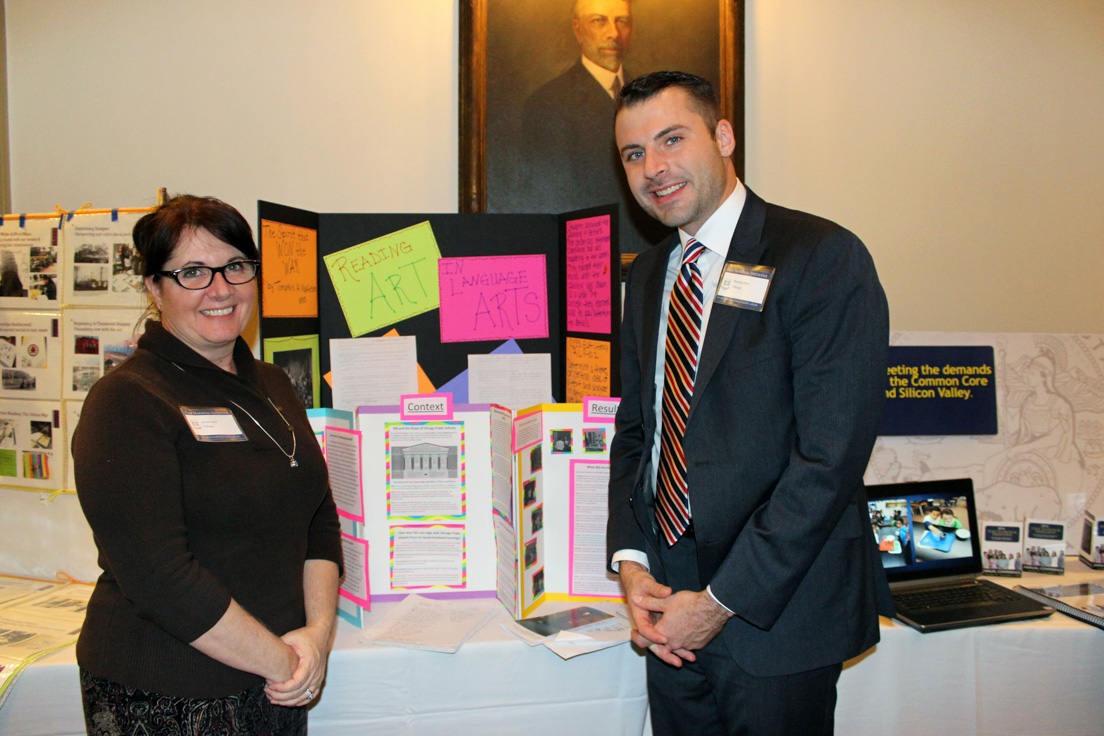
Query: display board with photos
71,306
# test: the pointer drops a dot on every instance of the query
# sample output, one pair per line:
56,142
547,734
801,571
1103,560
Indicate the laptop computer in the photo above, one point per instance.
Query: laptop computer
927,536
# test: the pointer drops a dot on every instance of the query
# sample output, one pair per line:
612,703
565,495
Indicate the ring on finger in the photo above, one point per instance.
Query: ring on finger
309,694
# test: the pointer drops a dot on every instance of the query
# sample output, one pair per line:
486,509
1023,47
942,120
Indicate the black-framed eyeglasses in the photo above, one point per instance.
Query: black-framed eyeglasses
200,277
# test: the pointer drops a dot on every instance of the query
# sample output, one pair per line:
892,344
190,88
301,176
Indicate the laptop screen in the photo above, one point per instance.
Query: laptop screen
926,529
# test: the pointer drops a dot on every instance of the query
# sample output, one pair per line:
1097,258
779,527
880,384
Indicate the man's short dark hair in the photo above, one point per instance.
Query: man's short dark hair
702,94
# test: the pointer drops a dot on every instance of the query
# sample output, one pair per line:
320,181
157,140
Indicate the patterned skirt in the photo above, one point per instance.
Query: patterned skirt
111,709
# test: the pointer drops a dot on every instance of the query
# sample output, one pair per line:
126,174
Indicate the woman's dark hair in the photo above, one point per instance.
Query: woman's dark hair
156,234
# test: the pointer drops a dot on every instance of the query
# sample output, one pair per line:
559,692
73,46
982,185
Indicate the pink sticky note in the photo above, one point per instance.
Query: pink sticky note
588,275
493,298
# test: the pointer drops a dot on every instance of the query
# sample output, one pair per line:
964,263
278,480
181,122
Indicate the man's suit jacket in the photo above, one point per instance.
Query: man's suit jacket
784,415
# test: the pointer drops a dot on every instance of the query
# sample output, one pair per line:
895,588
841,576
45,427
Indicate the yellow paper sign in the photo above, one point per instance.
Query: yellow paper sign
588,369
289,270
388,279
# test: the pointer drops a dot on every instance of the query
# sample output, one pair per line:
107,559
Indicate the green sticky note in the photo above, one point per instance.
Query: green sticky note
386,280
8,465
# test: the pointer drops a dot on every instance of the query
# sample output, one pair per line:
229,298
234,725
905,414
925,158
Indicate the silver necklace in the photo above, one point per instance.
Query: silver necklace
289,455
294,442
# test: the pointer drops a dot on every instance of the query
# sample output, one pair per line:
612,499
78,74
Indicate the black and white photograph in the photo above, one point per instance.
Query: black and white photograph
297,365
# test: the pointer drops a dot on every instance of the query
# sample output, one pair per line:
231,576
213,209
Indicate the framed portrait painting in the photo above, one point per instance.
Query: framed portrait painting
537,86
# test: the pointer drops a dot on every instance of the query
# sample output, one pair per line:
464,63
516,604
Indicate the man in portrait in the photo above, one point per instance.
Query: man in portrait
569,160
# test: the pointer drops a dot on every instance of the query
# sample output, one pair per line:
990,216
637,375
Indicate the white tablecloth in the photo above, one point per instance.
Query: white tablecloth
1031,678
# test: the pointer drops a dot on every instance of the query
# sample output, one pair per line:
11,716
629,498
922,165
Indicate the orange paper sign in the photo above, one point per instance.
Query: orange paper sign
289,270
588,369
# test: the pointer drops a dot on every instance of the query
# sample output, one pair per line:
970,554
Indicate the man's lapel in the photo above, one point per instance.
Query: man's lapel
747,247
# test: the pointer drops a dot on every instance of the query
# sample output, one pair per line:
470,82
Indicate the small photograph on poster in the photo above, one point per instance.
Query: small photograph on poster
32,353
298,358
30,444
297,365
425,475
28,264
536,519
538,583
535,458
594,440
96,341
90,278
7,433
561,441
29,355
124,268
100,266
530,553
529,492
42,436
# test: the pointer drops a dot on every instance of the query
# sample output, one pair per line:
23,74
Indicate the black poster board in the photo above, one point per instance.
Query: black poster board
457,235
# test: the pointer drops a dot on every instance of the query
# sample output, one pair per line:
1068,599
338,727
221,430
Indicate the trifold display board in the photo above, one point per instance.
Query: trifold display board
467,500
461,284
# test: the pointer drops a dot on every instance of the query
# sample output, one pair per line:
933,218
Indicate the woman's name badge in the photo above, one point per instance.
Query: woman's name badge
213,424
744,286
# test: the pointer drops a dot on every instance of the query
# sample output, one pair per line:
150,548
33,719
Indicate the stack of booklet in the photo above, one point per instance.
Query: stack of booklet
1083,601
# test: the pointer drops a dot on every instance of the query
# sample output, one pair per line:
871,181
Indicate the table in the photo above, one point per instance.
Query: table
495,684
1027,678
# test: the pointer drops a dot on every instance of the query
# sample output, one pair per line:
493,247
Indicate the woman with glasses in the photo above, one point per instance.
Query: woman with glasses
198,472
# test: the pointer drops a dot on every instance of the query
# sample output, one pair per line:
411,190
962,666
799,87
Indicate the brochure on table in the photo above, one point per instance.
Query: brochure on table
1045,546
1092,541
1002,548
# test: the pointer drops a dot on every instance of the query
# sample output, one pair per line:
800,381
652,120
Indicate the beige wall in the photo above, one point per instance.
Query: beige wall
961,140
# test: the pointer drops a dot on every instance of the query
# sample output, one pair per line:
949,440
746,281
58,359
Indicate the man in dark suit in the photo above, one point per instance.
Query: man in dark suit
755,585
568,160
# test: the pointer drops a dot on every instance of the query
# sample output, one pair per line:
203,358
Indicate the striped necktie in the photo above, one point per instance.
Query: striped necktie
684,319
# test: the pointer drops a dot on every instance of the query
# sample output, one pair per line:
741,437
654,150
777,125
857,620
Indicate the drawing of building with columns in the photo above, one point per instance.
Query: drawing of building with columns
424,460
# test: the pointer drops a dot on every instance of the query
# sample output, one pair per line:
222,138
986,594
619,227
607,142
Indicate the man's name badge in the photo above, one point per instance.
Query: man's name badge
744,286
214,424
